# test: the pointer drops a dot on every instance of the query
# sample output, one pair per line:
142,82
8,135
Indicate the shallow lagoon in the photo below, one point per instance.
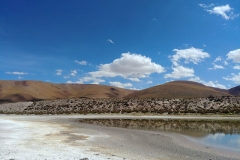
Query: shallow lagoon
218,133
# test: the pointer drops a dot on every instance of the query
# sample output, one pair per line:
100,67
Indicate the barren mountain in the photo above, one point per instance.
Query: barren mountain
234,91
14,91
178,89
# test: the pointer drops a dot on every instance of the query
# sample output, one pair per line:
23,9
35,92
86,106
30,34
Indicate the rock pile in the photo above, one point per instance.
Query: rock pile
215,105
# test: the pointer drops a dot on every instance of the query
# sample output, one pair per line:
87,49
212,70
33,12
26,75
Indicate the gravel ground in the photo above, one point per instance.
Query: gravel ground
14,107
61,137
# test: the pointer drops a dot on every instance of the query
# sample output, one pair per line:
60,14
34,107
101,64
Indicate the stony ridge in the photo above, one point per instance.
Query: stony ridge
215,105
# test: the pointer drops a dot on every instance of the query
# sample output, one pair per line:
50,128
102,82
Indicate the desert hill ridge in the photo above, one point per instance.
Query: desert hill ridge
15,91
179,89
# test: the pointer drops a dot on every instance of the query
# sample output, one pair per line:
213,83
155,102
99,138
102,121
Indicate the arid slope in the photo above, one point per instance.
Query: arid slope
234,91
178,89
14,91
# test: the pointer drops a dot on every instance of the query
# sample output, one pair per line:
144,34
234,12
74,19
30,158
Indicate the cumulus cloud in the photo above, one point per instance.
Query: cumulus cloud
81,62
225,11
93,80
134,79
210,83
180,72
121,85
69,82
137,89
192,54
111,41
17,73
234,56
73,72
128,66
206,6
225,63
216,67
219,58
236,67
234,78
59,72
149,82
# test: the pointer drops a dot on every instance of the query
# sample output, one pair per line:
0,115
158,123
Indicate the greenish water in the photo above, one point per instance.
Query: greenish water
223,134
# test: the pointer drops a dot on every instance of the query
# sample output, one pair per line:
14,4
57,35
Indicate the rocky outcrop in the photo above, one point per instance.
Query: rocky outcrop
213,105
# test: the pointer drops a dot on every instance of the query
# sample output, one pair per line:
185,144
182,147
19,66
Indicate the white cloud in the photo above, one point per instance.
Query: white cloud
70,82
128,66
215,84
192,54
234,78
206,6
93,80
234,55
180,72
66,77
81,62
121,85
149,82
225,63
219,58
217,66
225,11
73,72
19,77
111,41
236,67
210,83
137,89
17,73
59,72
134,79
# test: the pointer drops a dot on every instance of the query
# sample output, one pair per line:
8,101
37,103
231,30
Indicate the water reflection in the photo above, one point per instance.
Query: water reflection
203,126
227,141
225,134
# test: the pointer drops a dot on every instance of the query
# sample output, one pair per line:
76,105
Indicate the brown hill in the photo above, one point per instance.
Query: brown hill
178,89
14,91
221,90
234,91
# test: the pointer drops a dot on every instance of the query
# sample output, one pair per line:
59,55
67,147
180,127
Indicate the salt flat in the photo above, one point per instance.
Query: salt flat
33,140
62,137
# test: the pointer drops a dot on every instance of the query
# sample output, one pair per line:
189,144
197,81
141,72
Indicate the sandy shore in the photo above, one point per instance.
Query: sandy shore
61,137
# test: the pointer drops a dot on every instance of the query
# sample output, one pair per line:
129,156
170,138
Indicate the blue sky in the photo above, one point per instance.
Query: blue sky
131,44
